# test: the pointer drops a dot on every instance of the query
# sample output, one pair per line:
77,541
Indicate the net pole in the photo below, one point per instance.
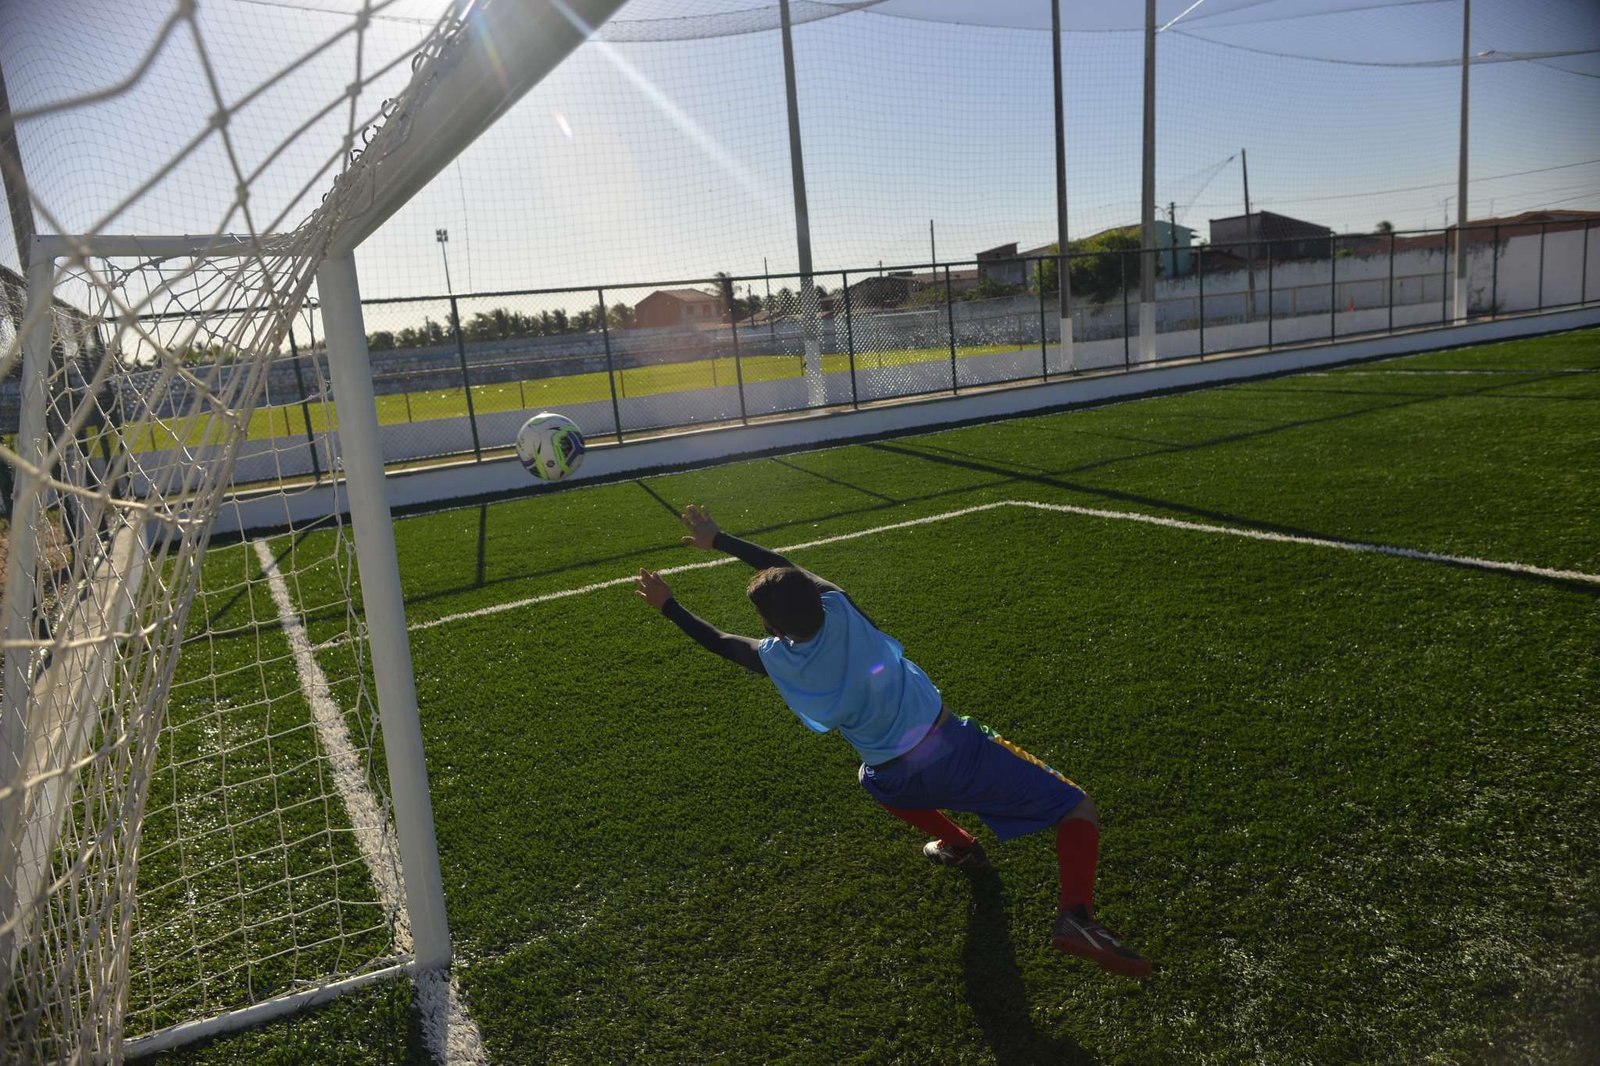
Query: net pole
38,325
1461,166
1147,211
361,448
1063,282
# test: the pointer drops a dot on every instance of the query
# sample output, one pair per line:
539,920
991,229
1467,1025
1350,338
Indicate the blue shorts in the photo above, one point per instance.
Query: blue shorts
966,766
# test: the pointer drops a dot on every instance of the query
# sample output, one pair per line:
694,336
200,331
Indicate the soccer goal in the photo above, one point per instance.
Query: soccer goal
213,794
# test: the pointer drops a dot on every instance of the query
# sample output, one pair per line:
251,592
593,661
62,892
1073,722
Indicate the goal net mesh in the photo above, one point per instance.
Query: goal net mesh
194,805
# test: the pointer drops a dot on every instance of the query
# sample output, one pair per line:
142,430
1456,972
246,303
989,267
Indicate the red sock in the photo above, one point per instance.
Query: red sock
1077,852
935,824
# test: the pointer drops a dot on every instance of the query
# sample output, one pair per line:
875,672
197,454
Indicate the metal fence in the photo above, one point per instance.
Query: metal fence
457,375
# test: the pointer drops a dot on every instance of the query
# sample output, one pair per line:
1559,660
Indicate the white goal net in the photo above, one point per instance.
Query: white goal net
196,789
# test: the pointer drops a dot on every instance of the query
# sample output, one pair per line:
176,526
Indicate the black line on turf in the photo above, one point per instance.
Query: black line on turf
833,480
483,536
656,496
1225,518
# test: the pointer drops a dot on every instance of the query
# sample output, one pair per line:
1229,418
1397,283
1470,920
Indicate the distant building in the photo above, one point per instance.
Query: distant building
1002,266
1290,237
1480,230
885,290
677,307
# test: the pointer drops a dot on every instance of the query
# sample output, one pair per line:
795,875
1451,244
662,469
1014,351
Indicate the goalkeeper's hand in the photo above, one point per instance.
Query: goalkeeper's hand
703,529
652,589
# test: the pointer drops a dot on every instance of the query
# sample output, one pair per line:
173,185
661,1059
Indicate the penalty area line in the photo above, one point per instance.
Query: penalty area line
614,582
1467,561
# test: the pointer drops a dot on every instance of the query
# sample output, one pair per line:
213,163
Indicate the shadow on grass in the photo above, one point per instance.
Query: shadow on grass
950,458
1026,473
995,990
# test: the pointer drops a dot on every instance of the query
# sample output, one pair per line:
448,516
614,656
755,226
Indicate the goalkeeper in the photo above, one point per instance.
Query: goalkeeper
836,670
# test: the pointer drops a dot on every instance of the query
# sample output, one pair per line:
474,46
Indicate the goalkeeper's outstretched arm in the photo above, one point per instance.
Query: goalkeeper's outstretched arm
734,648
705,534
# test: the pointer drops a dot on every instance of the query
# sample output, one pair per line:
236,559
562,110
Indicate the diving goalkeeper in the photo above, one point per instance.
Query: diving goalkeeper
837,671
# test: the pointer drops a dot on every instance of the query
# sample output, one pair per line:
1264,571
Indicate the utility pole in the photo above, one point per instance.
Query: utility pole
443,237
816,388
933,249
1461,175
1172,238
1147,214
1250,237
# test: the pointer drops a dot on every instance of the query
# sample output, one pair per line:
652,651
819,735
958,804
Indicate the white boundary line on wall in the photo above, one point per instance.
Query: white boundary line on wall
1468,561
450,1032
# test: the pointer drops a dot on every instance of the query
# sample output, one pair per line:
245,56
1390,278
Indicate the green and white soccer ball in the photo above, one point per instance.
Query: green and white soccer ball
550,446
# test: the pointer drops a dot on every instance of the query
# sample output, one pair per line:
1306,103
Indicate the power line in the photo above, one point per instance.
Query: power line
1418,188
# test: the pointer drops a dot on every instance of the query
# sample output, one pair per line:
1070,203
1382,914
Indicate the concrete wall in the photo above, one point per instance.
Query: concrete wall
439,485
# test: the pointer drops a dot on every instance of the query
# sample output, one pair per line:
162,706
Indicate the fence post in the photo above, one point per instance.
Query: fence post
1543,228
1444,279
1200,273
738,379
1583,272
1044,349
611,371
849,337
1391,281
1271,301
305,407
950,325
733,327
1333,288
1494,276
466,379
1122,263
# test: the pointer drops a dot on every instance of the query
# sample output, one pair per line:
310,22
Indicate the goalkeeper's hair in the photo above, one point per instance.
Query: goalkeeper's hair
788,600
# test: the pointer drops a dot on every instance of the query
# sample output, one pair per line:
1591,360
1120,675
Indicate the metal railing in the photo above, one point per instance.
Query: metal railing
456,375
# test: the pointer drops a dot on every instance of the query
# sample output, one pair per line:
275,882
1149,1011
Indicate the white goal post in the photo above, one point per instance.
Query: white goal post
143,362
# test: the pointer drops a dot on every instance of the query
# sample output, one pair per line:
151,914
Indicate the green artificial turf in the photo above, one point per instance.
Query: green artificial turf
291,419
1348,800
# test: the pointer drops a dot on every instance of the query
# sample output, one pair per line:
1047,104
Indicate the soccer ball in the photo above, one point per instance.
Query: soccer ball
550,446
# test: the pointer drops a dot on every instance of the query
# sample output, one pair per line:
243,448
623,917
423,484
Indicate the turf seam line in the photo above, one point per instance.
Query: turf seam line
1062,508
451,1034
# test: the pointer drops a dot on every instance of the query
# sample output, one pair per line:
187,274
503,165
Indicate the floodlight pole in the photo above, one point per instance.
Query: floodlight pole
1249,242
1461,167
443,237
1147,214
361,452
802,218
1063,273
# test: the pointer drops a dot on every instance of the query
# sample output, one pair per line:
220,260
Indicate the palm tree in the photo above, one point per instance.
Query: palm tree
1385,228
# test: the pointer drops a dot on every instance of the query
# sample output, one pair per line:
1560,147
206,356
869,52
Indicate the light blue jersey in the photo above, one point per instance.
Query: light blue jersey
854,678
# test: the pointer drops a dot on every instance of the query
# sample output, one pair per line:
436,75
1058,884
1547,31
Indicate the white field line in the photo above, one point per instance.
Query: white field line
1318,542
720,561
1062,508
451,1035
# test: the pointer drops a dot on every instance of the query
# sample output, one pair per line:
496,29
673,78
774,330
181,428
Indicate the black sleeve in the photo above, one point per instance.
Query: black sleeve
736,649
763,558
